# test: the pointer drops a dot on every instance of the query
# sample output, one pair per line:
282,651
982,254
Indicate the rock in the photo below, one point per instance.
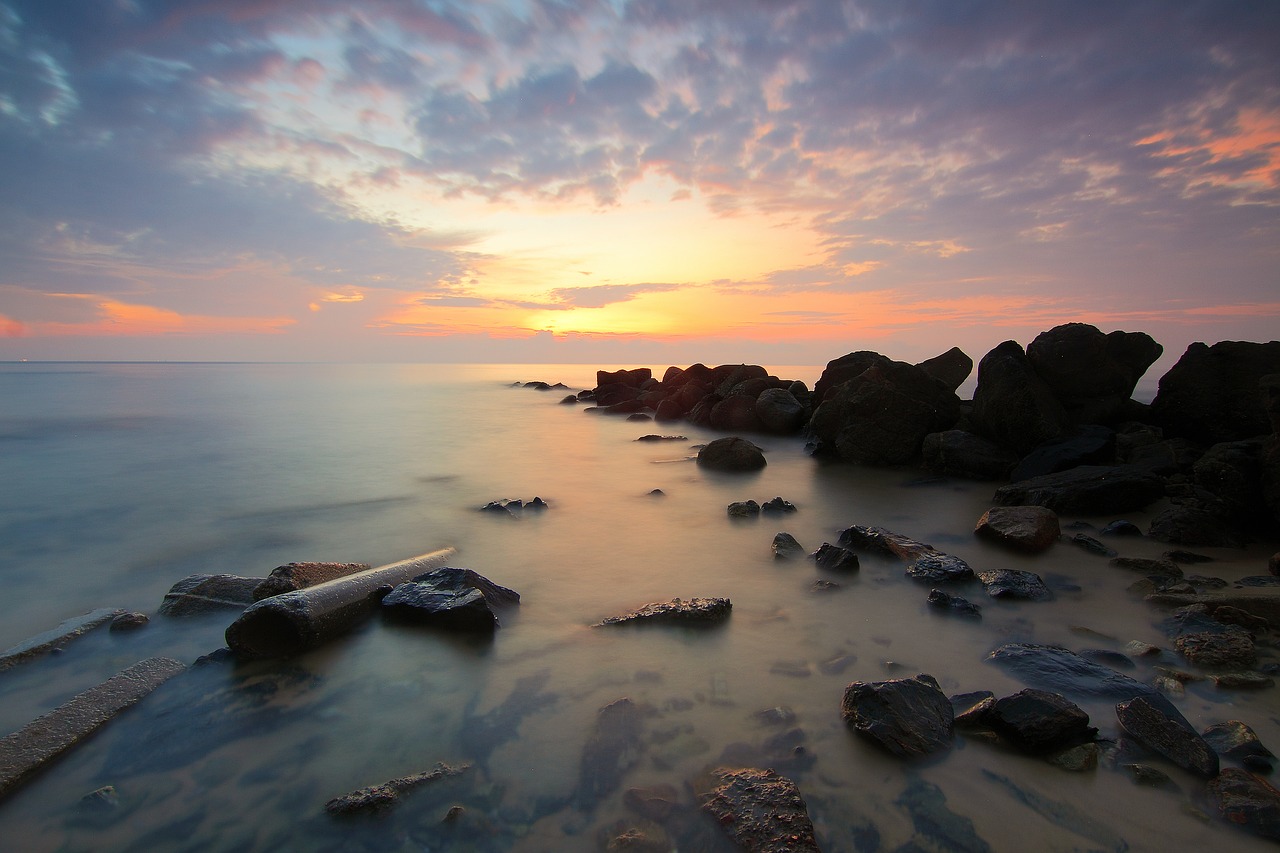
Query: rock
877,540
940,827
55,638
841,370
970,709
1120,527
1273,564
695,612
785,547
834,558
1242,681
1024,528
199,594
1076,759
1173,456
1139,649
449,598
571,400
1214,393
1195,525
777,506
736,413
293,576
1262,603
1150,777
1185,557
758,809
953,604
1157,725
731,454
639,416
1091,374
936,567
1246,801
1234,739
653,437
655,802
1107,657
1233,473
1150,568
1038,721
910,717
1087,490
951,368
1086,445
1015,584
614,747
1060,670
129,622
963,454
380,798
743,509
779,412
1012,406
1093,546
1231,648
881,416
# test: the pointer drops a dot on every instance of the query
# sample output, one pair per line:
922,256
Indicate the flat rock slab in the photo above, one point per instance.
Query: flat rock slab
45,738
1030,529
379,798
910,717
55,638
694,612
1086,490
1061,670
1015,584
759,809
1263,603
1157,725
1231,648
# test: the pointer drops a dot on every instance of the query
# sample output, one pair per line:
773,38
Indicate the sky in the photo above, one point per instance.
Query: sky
642,182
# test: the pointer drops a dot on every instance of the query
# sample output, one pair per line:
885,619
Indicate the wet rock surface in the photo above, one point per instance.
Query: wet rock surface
449,597
1061,670
694,612
836,559
1015,584
759,810
1157,725
910,717
785,547
293,576
954,604
199,594
1038,721
732,455
1086,490
1031,529
1246,801
380,798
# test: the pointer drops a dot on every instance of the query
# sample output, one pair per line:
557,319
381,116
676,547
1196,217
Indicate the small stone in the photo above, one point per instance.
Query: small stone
1247,801
129,622
1120,527
1150,777
1015,584
1235,739
1139,649
1232,648
953,604
1242,681
824,586
785,547
744,509
1093,546
1077,759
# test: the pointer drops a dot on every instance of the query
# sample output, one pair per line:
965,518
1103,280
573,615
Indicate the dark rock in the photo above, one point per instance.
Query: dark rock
758,809
56,638
652,437
693,612
877,540
1194,525
1234,739
1214,393
199,594
1242,681
1233,473
1086,445
910,717
1093,546
1150,568
834,558
571,400
614,747
953,604
951,368
1172,456
841,370
963,454
777,506
1157,725
743,509
970,709
630,378
1093,375
1038,721
940,827
1012,406
1015,584
1087,490
786,547
655,802
293,576
736,413
1185,557
1120,527
1231,648
129,622
1107,657
936,567
1060,670
1024,528
449,598
778,411
639,416
1150,777
731,454
537,504
380,798
1246,801
1076,759
1273,564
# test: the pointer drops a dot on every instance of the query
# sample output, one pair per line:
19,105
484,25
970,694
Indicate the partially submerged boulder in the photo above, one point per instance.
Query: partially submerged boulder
1014,584
696,612
759,809
732,454
1024,528
1156,724
1246,801
1038,721
1061,670
293,576
910,717
196,595
449,597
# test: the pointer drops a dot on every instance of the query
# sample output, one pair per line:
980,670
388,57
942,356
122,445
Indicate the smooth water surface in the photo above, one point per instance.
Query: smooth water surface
121,479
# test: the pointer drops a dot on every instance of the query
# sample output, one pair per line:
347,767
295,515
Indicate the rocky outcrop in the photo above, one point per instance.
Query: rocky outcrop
1087,490
693,612
910,717
759,809
963,454
1012,406
1091,374
731,454
1031,529
1215,393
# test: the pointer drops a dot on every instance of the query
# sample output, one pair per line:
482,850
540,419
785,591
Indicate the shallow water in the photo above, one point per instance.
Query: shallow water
122,479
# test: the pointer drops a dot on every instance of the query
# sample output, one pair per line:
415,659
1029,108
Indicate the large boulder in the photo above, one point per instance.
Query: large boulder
1234,471
1024,528
951,367
1215,393
1087,445
778,411
731,454
841,370
1087,490
1038,721
963,454
882,415
449,598
1012,405
1091,374
910,717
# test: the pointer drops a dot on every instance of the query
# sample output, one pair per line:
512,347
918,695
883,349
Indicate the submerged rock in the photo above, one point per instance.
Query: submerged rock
1234,739
777,506
953,604
693,612
450,598
613,748
1157,725
1062,813
379,798
786,547
731,454
1015,584
834,558
198,594
1229,648
910,717
743,509
759,809
941,828
1060,670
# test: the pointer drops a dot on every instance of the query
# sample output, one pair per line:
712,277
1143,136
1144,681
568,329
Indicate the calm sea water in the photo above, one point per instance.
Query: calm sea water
120,479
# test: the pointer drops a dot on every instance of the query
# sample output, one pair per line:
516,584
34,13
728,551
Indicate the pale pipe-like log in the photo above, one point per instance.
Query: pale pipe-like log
295,621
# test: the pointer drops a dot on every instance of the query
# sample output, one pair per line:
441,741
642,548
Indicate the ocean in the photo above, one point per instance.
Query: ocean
121,479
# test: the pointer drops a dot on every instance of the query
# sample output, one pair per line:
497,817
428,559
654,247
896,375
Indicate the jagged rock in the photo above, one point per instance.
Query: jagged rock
778,411
1086,445
693,612
1024,528
1231,648
449,598
1213,393
1038,721
293,576
1234,739
380,798
1087,490
970,709
910,717
834,558
653,437
759,810
963,454
1093,375
1093,546
936,567
731,454
199,594
1157,725
1012,406
953,604
1247,802
743,509
786,547
777,506
951,368
1015,584
1062,671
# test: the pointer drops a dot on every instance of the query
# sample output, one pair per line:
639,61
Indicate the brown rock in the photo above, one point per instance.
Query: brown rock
1024,528
760,810
293,576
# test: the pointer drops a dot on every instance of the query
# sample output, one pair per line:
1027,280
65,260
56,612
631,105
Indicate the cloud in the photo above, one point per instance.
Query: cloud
600,295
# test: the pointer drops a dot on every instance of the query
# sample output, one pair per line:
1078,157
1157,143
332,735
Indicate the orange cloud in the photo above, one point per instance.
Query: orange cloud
115,318
1256,134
